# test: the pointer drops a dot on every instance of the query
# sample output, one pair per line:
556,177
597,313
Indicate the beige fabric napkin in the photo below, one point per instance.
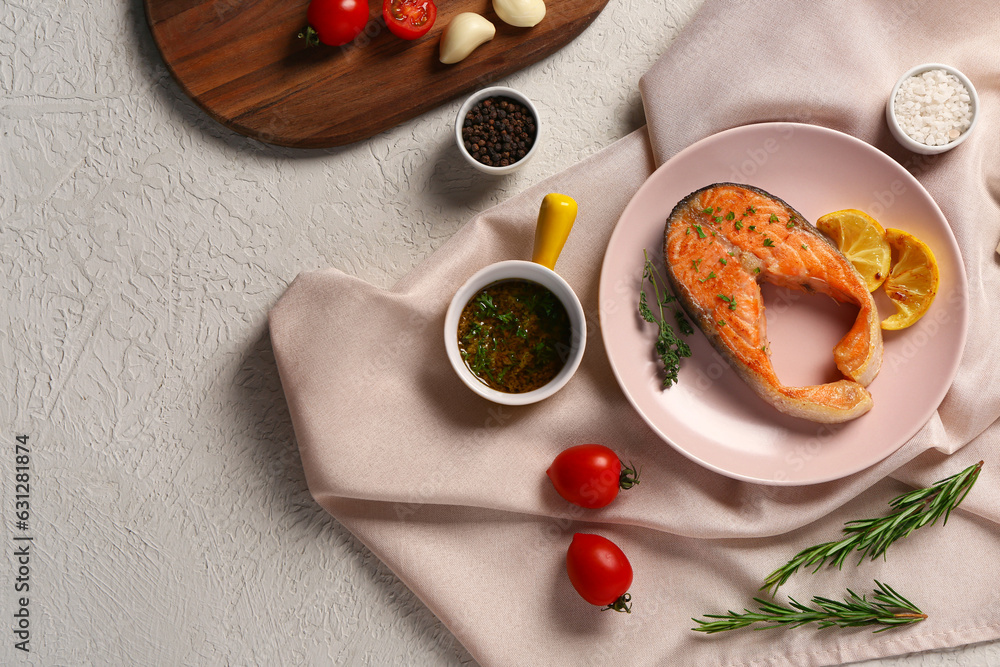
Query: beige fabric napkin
449,490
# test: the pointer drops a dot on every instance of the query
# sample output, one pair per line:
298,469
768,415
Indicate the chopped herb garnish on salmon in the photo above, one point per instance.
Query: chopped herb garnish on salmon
805,247
695,263
728,299
791,223
711,274
701,234
730,215
721,323
738,225
773,218
756,269
768,243
722,260
708,210
752,228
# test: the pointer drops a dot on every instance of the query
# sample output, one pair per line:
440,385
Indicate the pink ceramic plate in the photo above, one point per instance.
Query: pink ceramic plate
711,416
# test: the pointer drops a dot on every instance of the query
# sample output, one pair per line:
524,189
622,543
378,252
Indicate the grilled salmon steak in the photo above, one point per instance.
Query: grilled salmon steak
720,242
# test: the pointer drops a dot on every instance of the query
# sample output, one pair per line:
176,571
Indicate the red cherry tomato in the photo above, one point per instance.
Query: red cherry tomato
409,19
599,571
590,475
337,22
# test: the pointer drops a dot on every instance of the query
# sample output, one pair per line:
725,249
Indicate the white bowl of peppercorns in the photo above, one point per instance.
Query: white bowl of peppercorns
497,130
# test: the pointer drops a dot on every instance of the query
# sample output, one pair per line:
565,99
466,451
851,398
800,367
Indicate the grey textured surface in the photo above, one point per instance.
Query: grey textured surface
142,247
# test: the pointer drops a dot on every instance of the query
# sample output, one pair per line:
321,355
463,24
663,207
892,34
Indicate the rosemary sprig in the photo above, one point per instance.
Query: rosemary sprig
669,346
871,537
887,608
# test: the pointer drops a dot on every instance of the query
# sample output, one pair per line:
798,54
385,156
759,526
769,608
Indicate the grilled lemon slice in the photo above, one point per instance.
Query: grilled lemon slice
913,279
862,240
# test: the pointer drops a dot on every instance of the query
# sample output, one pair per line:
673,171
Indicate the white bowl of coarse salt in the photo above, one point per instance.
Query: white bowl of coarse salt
932,108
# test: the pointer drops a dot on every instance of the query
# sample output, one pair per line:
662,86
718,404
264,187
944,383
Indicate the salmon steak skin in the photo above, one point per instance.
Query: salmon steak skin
720,243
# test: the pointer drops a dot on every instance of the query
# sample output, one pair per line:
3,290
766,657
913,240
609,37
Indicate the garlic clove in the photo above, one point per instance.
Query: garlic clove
466,32
520,13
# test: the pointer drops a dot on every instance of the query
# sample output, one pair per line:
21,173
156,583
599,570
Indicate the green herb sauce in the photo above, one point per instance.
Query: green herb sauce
514,336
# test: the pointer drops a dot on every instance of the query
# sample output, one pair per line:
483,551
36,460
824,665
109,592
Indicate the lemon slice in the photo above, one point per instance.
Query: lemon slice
913,279
862,240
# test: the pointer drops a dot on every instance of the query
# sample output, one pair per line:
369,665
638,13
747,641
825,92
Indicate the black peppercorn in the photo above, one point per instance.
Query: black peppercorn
498,131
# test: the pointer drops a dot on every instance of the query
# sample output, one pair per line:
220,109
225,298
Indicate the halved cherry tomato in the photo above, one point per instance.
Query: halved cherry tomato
599,571
335,22
590,475
409,19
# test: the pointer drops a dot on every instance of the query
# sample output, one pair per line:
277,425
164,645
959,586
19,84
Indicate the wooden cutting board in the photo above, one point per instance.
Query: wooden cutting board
242,62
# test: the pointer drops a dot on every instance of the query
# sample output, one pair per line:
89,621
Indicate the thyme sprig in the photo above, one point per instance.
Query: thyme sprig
871,537
887,608
669,347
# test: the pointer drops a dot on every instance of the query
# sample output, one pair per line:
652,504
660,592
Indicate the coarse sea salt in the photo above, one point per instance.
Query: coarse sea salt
933,107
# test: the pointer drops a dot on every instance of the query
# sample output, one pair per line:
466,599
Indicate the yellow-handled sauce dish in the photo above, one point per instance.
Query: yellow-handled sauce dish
515,332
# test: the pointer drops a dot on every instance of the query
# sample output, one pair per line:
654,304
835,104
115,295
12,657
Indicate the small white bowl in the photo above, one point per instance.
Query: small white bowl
516,269
496,91
913,145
